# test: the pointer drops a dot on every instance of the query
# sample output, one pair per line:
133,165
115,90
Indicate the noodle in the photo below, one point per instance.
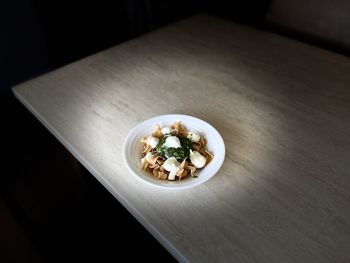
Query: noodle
152,160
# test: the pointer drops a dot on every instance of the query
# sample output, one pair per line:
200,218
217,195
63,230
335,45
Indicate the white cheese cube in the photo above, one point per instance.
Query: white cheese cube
197,159
172,141
193,136
152,141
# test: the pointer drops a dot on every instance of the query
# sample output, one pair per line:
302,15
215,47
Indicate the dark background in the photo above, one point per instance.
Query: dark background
38,35
51,208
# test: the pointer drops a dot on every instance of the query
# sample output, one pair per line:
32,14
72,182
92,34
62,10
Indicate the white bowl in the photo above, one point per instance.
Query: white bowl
133,146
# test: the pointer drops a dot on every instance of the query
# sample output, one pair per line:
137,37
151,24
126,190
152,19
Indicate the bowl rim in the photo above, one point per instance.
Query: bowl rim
127,142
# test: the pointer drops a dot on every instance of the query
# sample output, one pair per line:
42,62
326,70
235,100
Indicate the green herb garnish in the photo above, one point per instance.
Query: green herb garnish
179,153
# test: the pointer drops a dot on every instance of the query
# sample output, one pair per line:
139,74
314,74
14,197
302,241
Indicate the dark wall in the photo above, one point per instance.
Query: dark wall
38,35
23,52
251,12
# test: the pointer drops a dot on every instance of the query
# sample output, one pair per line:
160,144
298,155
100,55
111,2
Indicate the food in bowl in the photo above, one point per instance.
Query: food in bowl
173,152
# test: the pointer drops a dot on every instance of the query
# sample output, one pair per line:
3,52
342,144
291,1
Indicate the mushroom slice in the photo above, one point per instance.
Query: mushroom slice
158,132
162,175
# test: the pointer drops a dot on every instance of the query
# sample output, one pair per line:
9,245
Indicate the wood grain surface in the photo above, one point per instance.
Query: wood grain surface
282,107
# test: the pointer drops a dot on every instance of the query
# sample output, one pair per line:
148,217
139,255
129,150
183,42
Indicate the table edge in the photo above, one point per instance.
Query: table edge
134,212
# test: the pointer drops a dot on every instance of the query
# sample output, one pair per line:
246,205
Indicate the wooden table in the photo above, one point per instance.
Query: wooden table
282,107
